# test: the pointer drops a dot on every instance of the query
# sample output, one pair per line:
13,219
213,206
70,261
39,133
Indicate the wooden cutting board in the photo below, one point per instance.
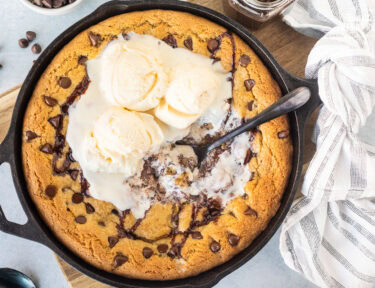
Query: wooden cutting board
289,48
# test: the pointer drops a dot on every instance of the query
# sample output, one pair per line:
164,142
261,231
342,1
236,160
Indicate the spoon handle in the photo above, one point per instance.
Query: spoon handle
290,102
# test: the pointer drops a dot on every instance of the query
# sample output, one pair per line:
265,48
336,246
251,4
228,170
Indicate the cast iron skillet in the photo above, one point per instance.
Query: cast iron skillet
10,150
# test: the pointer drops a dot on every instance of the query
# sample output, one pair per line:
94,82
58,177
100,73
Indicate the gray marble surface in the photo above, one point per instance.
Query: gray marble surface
266,269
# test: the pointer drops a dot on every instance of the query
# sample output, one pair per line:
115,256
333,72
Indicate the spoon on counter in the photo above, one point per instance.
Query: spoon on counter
288,103
10,278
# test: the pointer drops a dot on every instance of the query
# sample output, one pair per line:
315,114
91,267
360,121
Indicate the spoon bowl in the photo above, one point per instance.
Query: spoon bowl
10,278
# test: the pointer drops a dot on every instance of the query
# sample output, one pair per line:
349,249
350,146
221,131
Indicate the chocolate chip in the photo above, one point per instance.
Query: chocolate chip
112,240
50,191
70,156
101,223
46,148
59,142
247,157
215,246
36,49
23,43
73,174
196,235
162,248
250,105
115,212
80,219
125,36
47,3
283,134
95,39
56,121
233,239
147,252
82,60
170,40
250,212
77,198
188,43
120,259
30,135
213,45
50,101
244,60
30,35
252,174
249,84
215,59
64,82
89,208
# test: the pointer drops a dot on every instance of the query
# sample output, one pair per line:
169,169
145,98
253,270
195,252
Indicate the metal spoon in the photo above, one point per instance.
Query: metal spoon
290,102
10,278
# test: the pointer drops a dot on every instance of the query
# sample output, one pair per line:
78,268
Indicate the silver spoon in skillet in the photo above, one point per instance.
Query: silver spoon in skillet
10,278
288,103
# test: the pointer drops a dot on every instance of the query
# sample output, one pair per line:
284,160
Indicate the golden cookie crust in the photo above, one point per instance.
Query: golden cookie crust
271,163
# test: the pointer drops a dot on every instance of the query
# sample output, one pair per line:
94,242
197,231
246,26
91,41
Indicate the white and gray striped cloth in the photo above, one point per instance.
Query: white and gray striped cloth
329,233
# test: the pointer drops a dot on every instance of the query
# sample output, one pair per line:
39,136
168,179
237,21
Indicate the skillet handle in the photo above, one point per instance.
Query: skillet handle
305,111
28,230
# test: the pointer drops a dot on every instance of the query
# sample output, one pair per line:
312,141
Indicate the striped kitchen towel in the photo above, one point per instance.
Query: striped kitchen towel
329,233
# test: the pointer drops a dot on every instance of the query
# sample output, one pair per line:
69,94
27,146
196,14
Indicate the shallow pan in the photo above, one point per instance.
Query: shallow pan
10,150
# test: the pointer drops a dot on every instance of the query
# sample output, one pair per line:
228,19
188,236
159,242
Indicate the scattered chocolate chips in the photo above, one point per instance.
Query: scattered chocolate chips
162,248
196,235
50,101
170,40
119,260
77,198
147,252
188,43
59,142
74,174
70,156
64,82
233,239
250,212
213,45
249,84
46,148
50,191
56,121
30,135
23,43
36,49
82,60
250,105
80,219
283,134
244,60
112,241
95,39
215,246
247,157
30,35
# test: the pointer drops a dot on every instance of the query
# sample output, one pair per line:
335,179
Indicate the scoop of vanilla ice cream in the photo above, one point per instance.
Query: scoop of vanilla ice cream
132,78
194,87
119,140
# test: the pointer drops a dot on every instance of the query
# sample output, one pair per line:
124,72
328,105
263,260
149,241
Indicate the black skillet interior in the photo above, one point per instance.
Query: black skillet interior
10,150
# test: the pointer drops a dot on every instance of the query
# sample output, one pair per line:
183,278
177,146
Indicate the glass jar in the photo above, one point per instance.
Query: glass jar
260,10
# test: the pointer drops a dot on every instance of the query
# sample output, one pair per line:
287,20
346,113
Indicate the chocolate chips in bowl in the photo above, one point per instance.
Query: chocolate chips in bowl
52,7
